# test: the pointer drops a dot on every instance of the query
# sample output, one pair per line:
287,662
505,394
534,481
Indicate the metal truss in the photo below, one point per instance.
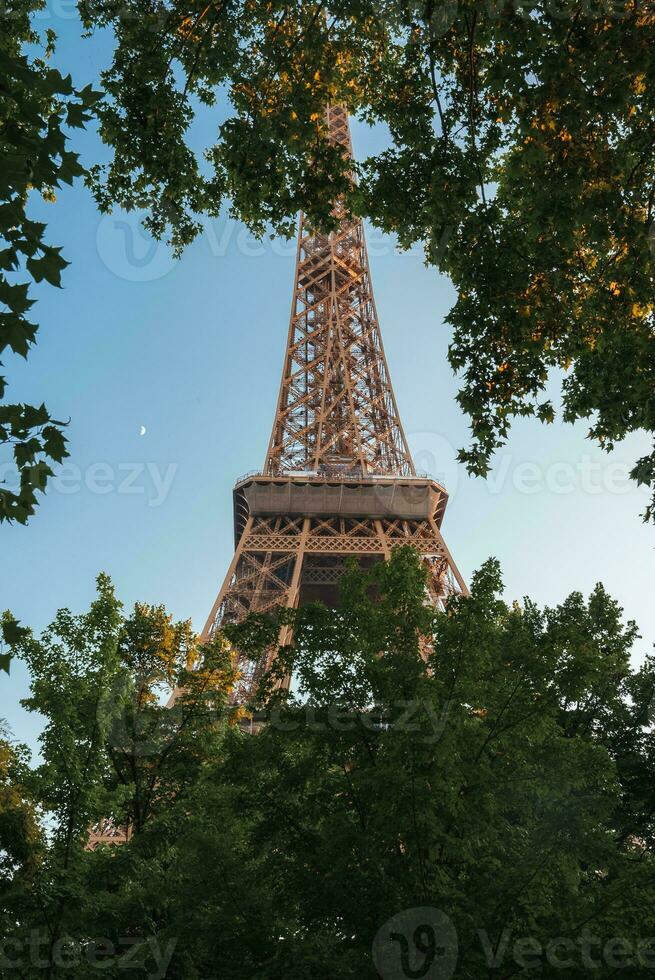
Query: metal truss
273,559
281,561
336,398
336,420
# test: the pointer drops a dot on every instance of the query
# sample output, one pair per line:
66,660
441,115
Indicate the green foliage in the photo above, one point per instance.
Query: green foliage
490,782
110,750
10,633
21,837
37,104
491,762
521,156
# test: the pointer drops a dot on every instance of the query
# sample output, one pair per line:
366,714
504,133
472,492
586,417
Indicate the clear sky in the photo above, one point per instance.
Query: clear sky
189,353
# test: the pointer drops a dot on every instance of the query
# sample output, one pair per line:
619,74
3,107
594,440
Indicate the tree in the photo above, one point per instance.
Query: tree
478,782
20,834
505,781
37,105
110,750
521,156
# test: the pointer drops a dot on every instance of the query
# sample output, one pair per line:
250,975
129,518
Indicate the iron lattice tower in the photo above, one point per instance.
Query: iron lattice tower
339,480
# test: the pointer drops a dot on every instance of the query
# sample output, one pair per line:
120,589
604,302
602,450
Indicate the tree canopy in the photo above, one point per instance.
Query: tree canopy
471,790
520,155
37,105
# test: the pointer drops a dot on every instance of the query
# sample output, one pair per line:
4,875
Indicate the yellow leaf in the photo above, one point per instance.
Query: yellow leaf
639,84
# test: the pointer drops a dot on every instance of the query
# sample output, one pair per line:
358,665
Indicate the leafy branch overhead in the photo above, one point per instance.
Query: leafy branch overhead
521,155
37,104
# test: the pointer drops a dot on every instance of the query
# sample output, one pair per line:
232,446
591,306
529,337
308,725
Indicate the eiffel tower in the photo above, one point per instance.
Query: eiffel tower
338,480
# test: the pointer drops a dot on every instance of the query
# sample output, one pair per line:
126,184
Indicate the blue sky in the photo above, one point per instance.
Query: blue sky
192,351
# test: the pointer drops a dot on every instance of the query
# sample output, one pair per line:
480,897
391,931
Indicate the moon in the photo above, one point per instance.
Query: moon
142,430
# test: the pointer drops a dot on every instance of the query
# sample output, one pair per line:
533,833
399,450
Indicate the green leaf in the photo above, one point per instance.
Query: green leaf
49,266
12,632
54,443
